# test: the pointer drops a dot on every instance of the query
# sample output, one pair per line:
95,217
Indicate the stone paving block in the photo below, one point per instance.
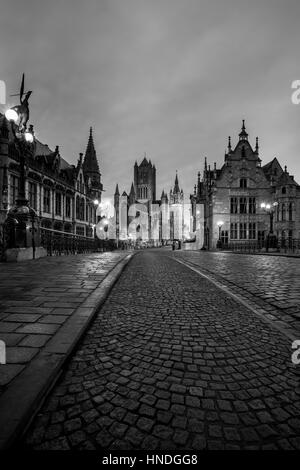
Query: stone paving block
57,319
7,327
34,340
29,310
63,311
9,372
20,355
11,339
39,328
22,317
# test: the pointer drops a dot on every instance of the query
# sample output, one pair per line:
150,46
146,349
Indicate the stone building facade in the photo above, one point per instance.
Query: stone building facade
163,218
62,194
245,202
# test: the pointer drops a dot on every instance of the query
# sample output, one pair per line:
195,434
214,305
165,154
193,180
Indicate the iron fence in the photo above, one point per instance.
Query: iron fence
59,243
280,245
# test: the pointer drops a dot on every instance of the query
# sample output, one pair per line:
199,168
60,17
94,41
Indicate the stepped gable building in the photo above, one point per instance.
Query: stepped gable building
62,194
229,199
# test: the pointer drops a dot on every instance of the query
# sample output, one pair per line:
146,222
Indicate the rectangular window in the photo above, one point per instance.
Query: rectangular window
243,231
68,207
80,231
252,205
291,211
283,213
13,189
252,230
46,201
233,231
58,204
32,195
243,183
233,205
243,205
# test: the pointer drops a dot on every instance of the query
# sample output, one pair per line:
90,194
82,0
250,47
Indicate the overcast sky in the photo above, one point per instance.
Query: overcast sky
172,78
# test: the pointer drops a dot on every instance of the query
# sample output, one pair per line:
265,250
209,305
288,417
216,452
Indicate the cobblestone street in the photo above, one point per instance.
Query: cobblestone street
270,282
173,362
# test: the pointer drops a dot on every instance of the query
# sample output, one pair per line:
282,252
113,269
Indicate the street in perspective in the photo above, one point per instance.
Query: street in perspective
149,281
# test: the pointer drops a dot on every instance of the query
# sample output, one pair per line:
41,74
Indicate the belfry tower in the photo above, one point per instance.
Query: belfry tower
145,181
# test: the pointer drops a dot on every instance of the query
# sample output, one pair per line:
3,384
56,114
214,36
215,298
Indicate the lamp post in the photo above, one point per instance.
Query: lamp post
270,209
21,217
220,223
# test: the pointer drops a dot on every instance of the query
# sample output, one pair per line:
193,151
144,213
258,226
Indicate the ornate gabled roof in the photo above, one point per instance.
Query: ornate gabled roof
286,179
90,163
124,193
272,169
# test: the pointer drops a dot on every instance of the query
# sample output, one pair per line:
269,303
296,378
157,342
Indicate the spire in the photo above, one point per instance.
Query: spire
132,191
229,144
117,193
243,134
256,145
90,163
205,164
176,186
145,161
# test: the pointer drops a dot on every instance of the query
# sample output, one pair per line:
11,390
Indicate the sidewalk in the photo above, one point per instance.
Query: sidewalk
45,307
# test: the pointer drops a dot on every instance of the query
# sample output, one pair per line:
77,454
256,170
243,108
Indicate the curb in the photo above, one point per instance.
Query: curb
30,388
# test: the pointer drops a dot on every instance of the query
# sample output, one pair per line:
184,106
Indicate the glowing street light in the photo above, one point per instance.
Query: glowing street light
270,208
11,115
28,137
220,223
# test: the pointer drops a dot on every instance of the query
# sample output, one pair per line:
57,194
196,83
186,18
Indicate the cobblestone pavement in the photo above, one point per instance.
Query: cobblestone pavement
38,297
171,362
273,282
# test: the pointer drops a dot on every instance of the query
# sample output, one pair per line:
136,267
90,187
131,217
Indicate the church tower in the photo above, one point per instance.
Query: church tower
91,170
145,181
90,162
176,194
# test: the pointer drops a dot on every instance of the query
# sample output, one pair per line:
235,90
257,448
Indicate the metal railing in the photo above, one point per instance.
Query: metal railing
59,243
280,245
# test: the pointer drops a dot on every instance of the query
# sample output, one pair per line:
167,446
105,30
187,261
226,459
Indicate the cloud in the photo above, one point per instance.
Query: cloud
168,77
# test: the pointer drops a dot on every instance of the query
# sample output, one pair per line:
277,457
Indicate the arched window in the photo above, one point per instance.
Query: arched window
283,190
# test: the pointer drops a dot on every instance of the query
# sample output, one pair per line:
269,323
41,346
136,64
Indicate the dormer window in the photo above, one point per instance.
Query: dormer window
243,183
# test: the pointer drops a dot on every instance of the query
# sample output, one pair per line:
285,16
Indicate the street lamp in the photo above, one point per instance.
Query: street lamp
220,223
270,209
20,220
